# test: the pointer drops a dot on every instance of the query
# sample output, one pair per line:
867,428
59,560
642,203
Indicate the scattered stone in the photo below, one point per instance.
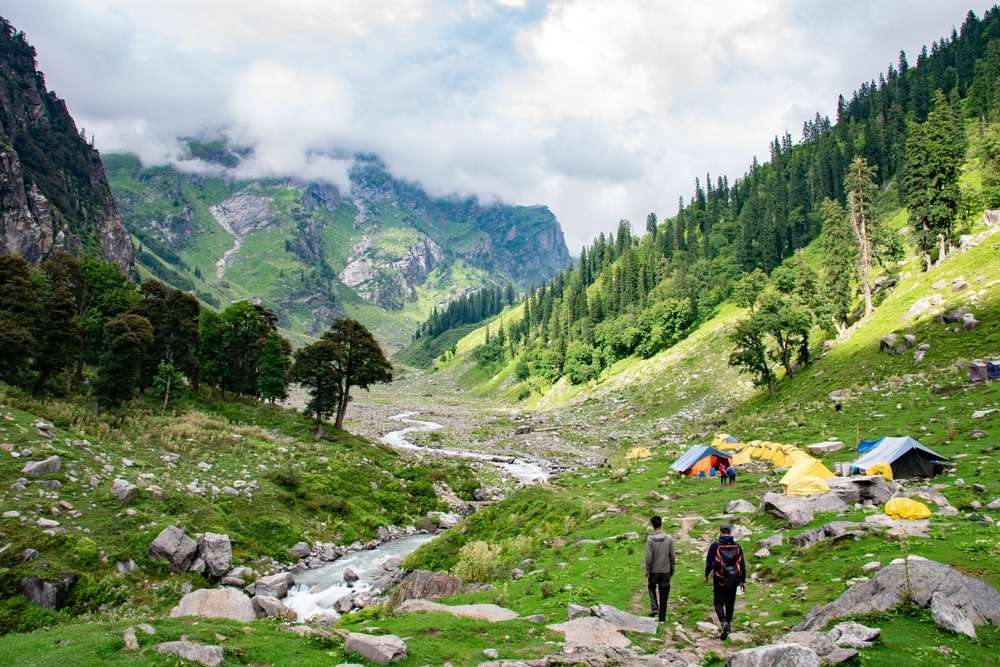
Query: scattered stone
762,553
344,604
48,594
265,606
772,541
147,628
300,549
817,641
216,603
131,642
125,566
48,466
873,566
740,532
381,649
993,505
707,628
826,447
207,655
491,653
124,491
350,576
576,611
798,510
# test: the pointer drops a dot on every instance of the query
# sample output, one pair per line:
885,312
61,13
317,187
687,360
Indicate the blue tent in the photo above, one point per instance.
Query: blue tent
868,445
699,457
907,458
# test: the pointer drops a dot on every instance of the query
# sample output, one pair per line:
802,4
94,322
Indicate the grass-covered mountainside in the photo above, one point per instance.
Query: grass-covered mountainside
383,252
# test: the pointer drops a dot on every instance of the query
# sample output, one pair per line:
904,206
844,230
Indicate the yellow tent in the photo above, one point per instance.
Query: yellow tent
806,485
794,453
883,469
905,508
724,441
742,457
756,448
639,453
805,467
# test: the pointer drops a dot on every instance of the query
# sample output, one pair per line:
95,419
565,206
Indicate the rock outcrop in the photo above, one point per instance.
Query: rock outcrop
216,603
54,194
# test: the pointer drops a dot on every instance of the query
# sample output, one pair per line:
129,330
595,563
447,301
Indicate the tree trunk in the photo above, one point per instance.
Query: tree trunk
320,434
342,408
166,397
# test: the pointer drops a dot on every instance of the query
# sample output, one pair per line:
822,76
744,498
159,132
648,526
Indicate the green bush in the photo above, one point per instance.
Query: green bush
478,562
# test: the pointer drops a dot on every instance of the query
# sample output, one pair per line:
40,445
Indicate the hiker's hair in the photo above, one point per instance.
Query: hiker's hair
657,522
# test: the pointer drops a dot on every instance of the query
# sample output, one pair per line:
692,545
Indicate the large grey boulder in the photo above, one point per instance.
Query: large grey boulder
211,656
425,585
591,631
899,528
799,510
826,447
483,612
624,620
771,542
173,546
300,549
740,507
48,466
947,616
216,603
858,489
914,579
48,594
267,607
217,552
275,585
380,649
817,641
124,491
774,655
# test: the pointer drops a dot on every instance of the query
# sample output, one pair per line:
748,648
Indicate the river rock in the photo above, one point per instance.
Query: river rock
124,491
49,466
275,585
624,620
380,649
947,616
217,552
344,604
300,549
211,656
773,655
915,579
425,585
591,631
173,546
350,576
216,603
444,520
484,612
265,606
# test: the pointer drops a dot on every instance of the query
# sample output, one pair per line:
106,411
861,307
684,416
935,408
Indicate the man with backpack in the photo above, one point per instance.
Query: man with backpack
729,572
659,564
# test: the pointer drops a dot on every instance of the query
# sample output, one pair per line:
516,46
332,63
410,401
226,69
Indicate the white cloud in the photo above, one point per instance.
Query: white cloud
600,110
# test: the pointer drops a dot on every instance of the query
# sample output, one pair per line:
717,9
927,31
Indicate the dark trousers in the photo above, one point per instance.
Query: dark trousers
725,602
658,582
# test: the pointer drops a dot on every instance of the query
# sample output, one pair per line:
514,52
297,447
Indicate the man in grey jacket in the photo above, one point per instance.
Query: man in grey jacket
660,563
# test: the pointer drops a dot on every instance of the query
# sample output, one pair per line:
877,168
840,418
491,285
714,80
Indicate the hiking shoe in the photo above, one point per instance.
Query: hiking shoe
652,614
725,631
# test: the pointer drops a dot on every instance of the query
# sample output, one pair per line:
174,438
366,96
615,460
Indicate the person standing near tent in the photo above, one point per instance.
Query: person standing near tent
731,473
722,472
725,563
659,565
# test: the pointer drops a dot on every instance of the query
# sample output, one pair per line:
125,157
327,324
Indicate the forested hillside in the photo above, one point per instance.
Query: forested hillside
898,142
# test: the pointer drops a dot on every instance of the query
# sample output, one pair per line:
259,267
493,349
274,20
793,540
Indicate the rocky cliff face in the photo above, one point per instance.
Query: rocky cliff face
54,194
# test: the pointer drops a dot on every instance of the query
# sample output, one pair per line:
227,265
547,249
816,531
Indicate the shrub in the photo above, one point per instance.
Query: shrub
478,562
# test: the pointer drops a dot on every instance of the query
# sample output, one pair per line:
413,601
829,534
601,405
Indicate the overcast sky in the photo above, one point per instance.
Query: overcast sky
600,110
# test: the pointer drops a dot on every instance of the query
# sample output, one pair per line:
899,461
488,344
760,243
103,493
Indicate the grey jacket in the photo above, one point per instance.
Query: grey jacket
660,556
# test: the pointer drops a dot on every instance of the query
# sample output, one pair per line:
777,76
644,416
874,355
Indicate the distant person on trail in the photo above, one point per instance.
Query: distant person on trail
725,563
659,565
731,474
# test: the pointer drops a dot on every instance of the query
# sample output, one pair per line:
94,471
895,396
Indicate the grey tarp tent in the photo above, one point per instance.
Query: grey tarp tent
700,458
907,458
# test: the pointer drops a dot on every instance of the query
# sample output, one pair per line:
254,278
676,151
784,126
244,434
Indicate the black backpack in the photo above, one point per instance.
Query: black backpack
728,565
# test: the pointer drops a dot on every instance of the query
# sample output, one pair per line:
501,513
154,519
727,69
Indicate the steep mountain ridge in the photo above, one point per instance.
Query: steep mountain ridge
384,252
54,194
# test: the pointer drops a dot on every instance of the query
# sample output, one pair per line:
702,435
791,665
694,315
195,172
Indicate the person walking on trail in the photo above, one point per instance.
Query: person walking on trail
731,474
659,565
724,563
